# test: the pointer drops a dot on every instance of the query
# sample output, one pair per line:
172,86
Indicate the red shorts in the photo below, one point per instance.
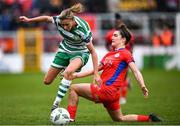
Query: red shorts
107,95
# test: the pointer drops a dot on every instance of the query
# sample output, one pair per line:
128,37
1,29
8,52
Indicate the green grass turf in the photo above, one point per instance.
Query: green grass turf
25,100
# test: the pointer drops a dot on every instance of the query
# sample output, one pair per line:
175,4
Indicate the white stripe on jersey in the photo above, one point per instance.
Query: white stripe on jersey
84,25
70,52
65,49
76,47
79,32
65,32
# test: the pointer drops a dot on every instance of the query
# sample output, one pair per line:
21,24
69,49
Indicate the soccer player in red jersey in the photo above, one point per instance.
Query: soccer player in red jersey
129,46
114,66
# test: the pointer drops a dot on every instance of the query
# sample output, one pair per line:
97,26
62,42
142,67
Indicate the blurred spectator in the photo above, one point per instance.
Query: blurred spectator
56,6
38,5
10,9
166,36
26,5
113,5
172,5
156,39
163,36
1,6
167,5
161,5
96,6
9,2
7,44
5,20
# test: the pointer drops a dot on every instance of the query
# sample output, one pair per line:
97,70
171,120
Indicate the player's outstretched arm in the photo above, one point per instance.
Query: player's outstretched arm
36,19
139,78
86,73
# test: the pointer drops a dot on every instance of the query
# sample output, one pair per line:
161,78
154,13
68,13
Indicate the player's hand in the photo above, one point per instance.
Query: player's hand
24,19
145,92
74,76
97,79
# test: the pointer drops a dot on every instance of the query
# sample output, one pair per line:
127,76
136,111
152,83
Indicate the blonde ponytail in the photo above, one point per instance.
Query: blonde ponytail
70,12
77,8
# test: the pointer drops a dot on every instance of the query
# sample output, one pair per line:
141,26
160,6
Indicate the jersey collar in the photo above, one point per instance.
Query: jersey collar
119,49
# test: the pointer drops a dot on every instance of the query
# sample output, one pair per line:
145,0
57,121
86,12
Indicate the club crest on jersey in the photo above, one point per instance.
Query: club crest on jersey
108,62
116,55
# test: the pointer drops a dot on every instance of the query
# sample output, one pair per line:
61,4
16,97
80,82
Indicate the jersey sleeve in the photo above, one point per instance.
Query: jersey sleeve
88,34
56,20
87,37
128,57
84,31
103,59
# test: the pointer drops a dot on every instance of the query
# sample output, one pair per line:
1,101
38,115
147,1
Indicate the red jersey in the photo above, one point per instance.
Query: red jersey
115,66
109,35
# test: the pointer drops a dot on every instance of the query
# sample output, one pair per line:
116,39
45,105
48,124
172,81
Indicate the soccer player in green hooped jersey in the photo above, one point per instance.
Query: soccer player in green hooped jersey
74,49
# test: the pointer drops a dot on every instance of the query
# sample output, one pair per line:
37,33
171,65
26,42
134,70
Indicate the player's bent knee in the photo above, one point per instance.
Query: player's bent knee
47,82
117,119
120,119
72,87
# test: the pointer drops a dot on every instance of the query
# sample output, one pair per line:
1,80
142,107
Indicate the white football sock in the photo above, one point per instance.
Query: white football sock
63,88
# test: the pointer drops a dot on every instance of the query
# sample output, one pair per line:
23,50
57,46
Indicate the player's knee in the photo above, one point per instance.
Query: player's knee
72,88
47,81
118,119
72,92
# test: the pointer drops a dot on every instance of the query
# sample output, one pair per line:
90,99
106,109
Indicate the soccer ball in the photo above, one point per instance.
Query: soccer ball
60,116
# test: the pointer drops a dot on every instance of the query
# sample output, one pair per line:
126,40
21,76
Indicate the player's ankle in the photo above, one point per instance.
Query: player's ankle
72,120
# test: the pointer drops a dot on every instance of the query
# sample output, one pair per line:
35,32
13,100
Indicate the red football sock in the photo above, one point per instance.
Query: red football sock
72,111
142,118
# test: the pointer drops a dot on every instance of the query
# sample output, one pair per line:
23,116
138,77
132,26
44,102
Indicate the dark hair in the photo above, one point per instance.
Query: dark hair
123,30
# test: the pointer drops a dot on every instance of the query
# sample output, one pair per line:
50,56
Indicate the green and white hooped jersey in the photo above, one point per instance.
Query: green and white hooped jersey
74,41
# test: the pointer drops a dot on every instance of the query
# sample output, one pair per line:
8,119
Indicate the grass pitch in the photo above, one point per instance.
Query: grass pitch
24,100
